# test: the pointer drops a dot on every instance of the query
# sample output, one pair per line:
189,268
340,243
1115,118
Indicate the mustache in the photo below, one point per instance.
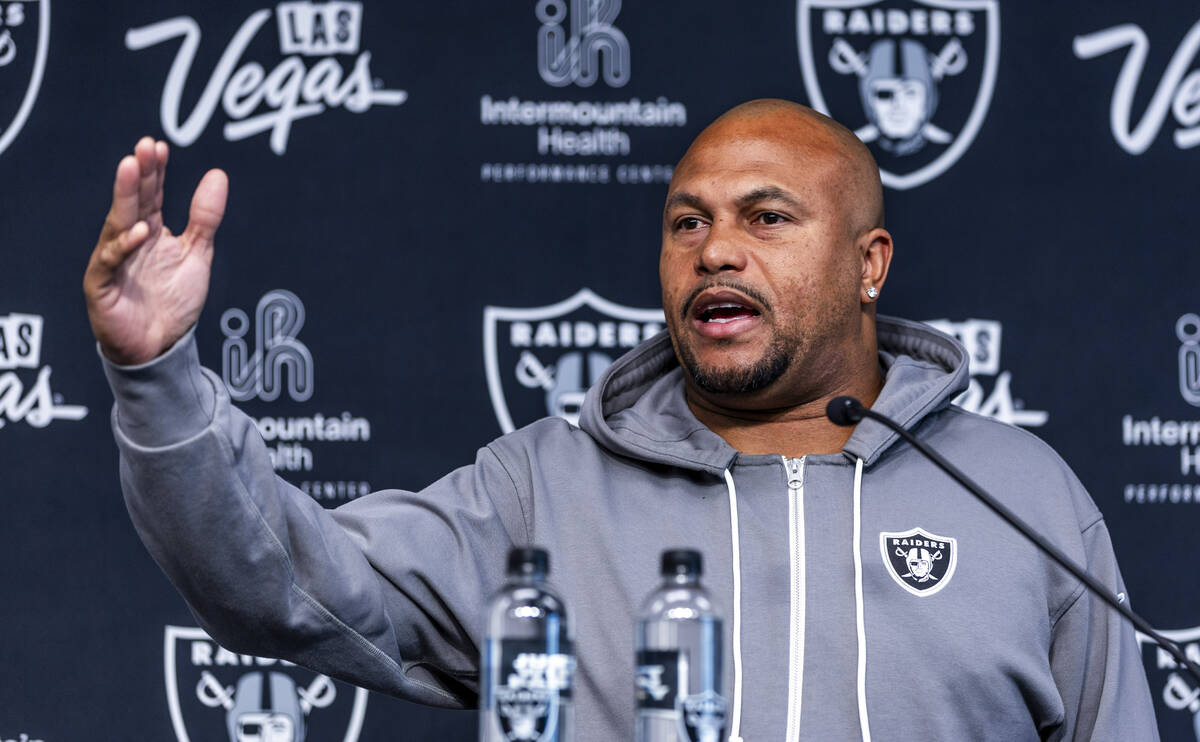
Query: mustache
725,283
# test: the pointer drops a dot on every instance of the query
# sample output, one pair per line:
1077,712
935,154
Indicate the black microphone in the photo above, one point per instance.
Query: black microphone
846,411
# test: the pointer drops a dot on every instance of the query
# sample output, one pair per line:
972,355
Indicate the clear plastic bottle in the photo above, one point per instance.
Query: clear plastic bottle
678,658
528,658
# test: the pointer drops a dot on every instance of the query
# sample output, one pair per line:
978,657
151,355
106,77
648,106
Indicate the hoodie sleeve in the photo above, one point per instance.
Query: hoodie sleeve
1095,659
387,592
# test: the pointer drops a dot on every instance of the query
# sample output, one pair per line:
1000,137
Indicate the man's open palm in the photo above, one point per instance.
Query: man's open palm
144,285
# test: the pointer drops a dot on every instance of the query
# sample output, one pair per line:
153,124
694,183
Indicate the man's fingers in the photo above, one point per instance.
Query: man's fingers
110,254
160,151
208,207
148,183
124,211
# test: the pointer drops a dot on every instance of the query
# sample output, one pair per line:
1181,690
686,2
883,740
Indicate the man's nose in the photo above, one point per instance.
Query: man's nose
722,250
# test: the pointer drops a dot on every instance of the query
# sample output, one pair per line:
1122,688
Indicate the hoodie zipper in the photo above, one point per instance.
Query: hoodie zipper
794,468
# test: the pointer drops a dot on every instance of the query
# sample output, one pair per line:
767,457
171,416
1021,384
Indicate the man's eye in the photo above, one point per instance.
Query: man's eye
689,223
770,217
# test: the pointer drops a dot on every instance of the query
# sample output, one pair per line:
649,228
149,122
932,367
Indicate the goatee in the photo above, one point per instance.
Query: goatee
738,379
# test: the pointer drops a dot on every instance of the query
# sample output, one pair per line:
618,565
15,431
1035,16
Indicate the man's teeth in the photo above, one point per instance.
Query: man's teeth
724,313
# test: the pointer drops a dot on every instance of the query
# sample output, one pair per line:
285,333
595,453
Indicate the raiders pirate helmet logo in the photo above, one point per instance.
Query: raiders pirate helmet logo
216,695
912,78
920,562
541,360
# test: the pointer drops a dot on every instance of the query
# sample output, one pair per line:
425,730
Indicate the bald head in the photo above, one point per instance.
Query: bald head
848,171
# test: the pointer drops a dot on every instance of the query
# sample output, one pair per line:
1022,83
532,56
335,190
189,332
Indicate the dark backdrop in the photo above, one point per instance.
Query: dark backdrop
1060,248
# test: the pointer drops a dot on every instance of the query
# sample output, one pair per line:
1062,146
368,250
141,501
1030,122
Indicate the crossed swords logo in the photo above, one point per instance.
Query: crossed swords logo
8,48
319,694
532,374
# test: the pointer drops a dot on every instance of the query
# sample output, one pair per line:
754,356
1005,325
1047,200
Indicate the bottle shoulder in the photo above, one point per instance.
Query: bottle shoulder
527,600
678,602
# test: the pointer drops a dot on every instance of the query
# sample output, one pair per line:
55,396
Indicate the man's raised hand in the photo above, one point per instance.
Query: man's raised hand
144,285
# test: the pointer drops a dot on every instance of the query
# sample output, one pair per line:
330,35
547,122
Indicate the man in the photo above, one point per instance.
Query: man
865,593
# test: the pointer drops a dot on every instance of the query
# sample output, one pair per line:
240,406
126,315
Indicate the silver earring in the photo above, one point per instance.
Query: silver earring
872,292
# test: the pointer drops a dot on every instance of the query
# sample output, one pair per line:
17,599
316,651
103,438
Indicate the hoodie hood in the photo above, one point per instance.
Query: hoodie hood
637,408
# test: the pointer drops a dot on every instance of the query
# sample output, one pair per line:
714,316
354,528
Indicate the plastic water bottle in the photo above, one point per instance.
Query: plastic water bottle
528,659
678,659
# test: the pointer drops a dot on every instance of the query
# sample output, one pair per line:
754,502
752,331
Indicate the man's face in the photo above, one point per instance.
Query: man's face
759,272
899,106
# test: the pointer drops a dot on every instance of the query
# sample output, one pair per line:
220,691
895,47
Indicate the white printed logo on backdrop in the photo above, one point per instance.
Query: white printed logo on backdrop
262,359
28,398
307,79
579,141
260,373
981,337
541,360
214,694
24,43
913,79
1169,431
1175,92
1187,329
592,47
1174,689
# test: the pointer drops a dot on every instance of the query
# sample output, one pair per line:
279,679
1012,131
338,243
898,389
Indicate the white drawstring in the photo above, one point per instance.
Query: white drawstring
736,723
863,721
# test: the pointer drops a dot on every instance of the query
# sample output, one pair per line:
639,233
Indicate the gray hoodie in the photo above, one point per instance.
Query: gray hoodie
842,621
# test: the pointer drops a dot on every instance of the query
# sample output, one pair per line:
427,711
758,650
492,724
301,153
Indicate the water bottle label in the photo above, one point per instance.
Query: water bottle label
657,681
702,717
533,684
661,689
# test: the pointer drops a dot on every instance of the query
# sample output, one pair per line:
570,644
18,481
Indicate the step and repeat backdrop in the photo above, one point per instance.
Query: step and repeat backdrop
449,212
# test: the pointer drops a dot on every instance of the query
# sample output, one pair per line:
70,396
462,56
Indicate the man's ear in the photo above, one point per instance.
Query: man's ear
875,248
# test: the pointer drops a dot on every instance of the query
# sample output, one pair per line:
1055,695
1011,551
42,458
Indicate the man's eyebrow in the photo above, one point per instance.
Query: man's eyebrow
768,193
683,198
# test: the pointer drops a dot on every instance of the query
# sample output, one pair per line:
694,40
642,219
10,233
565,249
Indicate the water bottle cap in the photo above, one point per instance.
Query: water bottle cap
528,560
681,561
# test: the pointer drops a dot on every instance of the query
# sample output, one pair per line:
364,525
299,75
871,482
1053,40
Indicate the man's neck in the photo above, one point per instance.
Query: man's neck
793,431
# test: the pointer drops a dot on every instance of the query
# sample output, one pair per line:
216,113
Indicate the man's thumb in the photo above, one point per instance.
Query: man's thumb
208,207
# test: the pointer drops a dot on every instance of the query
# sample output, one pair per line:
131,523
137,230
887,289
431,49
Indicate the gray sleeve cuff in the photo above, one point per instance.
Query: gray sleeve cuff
165,400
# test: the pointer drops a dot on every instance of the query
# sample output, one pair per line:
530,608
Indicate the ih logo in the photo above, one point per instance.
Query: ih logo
981,338
258,372
214,694
1187,329
24,40
920,562
593,47
1178,692
541,361
913,79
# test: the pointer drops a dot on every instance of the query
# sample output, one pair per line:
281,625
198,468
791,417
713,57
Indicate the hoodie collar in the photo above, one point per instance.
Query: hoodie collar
638,408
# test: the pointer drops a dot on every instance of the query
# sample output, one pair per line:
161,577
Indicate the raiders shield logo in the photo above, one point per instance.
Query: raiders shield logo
702,716
214,694
24,39
1176,696
527,714
541,361
912,78
920,562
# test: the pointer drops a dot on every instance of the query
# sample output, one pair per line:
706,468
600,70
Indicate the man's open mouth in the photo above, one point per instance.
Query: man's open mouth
725,312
